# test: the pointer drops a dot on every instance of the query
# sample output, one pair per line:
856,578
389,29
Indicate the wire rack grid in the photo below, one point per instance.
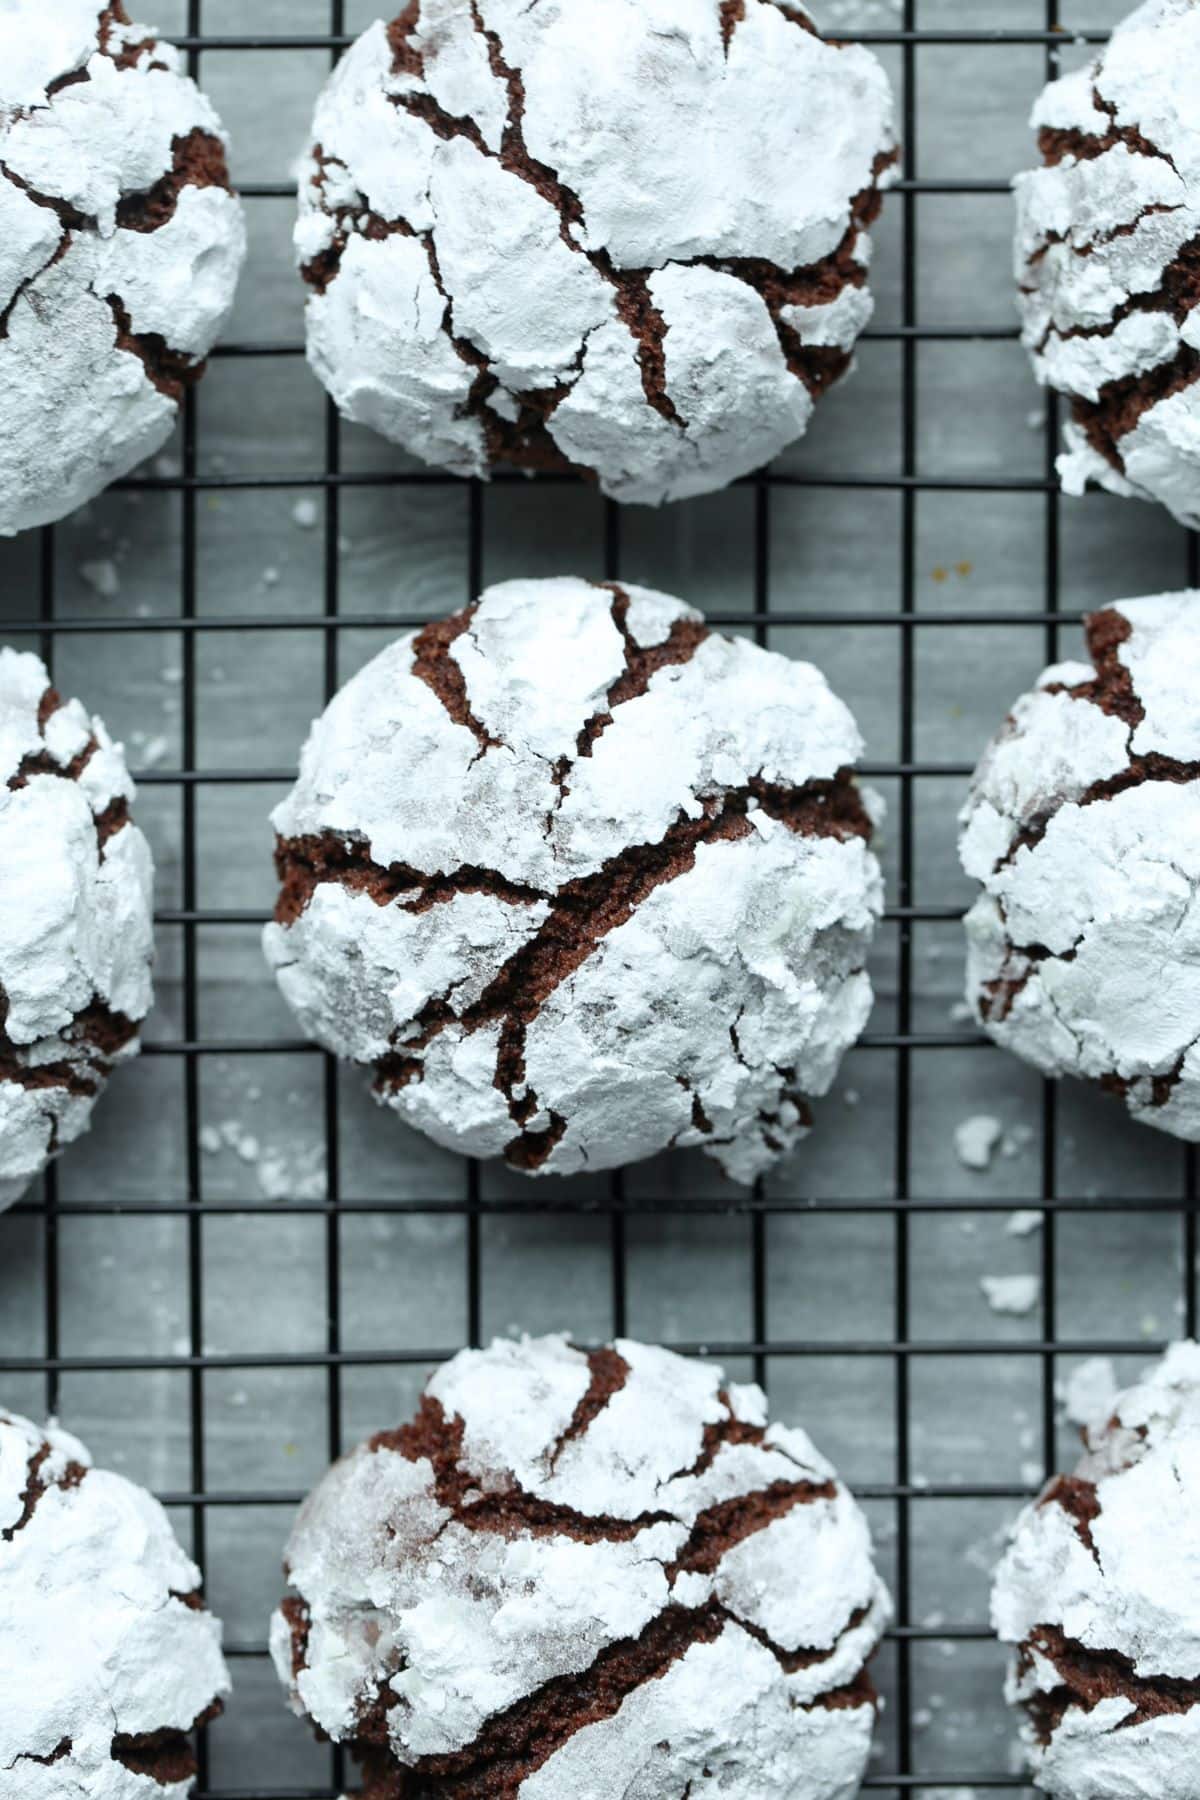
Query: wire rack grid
906,1043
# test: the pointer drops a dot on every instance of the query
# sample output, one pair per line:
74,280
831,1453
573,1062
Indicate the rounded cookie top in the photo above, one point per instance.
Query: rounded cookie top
1100,1593
120,247
581,880
587,1573
110,1658
76,932
1106,255
1083,825
625,237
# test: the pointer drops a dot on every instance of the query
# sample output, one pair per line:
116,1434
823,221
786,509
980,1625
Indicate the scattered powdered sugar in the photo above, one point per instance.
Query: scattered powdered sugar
102,577
1015,1294
284,1171
704,1605
976,1139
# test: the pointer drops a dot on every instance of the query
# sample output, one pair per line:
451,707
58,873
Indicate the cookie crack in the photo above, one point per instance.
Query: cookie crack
512,1744
26,287
1123,402
731,13
524,442
435,1438
172,372
1057,143
1088,1677
608,1373
1178,295
434,664
165,1757
197,161
34,1489
59,1754
641,664
306,863
98,1032
589,908
1080,1500
633,302
114,817
818,366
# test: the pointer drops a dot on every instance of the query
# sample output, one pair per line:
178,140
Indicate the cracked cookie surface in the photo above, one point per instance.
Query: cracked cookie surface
110,1657
76,933
1108,259
121,242
582,881
1099,1593
585,1573
1083,825
627,238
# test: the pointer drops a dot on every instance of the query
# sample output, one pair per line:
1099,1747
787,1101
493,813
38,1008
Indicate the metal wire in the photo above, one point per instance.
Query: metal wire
897,1352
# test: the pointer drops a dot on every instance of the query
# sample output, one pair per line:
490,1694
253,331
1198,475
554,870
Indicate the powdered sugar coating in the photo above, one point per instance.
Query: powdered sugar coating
75,919
627,236
1083,826
1106,1613
1106,244
608,891
109,1656
608,1564
120,248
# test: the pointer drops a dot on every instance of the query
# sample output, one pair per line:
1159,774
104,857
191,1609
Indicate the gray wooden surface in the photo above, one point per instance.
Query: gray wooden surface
123,1282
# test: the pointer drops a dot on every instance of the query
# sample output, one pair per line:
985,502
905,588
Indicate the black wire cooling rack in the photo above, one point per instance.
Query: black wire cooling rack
901,1045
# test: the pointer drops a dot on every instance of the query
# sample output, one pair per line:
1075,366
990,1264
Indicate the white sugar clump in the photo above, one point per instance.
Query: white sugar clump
120,247
76,927
1083,827
1099,1594
627,237
109,1656
593,1574
581,881
1013,1294
1106,259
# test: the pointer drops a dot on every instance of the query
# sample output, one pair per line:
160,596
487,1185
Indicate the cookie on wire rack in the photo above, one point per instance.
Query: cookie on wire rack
76,919
121,242
109,1654
586,1574
627,238
1108,259
1083,826
1098,1594
580,880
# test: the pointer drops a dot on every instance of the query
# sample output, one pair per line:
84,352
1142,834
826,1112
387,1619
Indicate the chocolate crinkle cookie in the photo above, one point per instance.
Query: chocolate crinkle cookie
580,881
109,1656
1108,259
586,1575
626,238
120,247
1084,827
1098,1593
75,919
